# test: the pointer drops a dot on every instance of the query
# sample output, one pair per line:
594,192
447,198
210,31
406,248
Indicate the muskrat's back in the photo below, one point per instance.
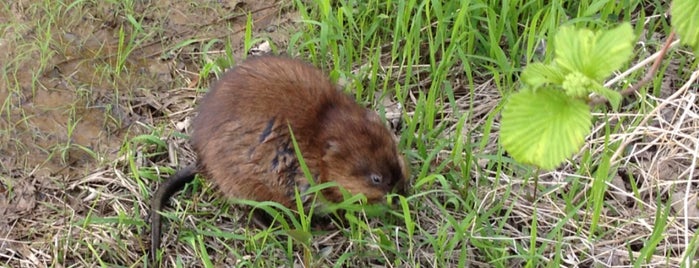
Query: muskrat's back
264,87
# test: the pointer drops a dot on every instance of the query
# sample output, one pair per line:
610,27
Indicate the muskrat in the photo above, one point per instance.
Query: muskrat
241,136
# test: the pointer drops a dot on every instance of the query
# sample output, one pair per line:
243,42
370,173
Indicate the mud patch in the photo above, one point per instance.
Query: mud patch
108,69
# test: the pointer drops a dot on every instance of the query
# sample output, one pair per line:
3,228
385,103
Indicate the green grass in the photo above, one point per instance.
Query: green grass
450,64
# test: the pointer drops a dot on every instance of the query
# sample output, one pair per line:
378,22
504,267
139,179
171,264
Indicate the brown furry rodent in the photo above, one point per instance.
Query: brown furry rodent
243,144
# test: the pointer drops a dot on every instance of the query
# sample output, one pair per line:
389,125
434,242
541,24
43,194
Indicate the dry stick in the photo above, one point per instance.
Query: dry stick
654,69
640,64
658,57
649,76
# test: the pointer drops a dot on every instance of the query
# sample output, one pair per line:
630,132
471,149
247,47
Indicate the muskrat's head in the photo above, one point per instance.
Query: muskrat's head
361,156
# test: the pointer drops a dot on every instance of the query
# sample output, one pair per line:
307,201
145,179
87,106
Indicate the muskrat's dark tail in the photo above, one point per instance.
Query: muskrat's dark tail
173,184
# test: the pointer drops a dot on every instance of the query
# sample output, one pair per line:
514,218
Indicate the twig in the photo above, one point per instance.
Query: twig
657,58
653,70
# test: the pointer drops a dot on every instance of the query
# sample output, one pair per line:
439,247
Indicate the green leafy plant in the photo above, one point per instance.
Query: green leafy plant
684,20
548,120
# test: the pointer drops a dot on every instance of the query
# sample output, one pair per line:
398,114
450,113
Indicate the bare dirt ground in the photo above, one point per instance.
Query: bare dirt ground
73,102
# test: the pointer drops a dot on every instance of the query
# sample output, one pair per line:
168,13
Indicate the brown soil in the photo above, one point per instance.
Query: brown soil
69,110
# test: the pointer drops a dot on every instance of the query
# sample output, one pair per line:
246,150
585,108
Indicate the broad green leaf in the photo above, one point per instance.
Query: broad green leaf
685,20
538,74
572,48
612,49
544,127
595,54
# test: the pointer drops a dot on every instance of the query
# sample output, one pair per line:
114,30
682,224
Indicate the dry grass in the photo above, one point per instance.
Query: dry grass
469,205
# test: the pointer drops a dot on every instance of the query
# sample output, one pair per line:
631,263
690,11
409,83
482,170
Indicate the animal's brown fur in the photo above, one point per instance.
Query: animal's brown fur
242,128
242,140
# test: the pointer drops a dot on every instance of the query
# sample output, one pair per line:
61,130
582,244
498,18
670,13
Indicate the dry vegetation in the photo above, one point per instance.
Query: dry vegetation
90,123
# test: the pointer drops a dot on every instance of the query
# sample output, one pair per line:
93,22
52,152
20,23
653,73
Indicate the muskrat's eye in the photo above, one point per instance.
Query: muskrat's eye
376,178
